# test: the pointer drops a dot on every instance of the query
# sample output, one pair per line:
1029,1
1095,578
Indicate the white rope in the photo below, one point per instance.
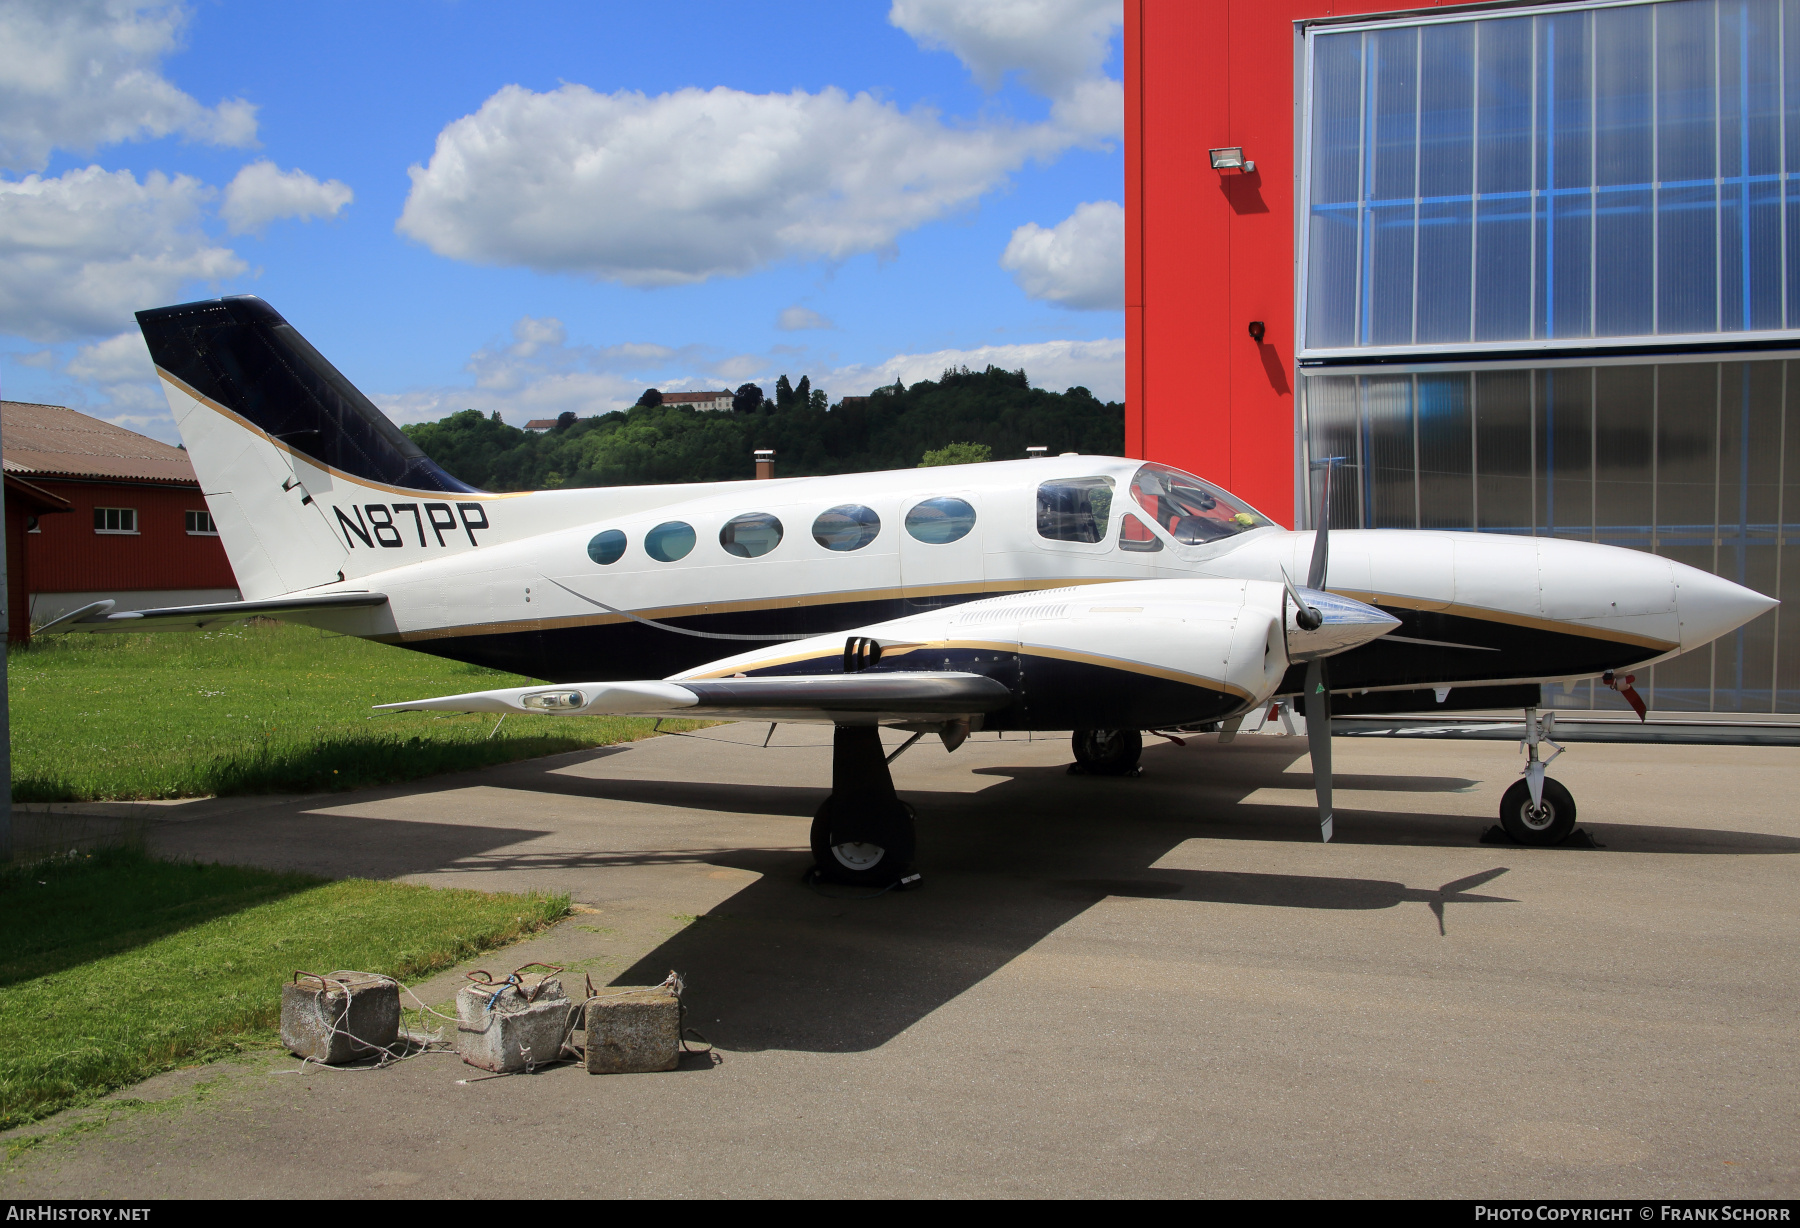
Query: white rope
415,1043
425,1041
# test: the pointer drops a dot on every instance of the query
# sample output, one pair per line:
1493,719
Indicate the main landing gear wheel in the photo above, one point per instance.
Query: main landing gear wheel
1108,752
1542,825
874,851
863,834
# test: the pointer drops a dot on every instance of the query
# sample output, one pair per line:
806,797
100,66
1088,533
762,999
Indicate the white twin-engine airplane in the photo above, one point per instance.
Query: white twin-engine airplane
1087,593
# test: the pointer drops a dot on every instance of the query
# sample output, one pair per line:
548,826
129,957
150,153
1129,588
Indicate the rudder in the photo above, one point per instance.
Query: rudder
272,428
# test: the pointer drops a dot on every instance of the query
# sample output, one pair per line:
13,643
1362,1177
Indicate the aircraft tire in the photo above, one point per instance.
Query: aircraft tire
1107,752
881,854
1550,825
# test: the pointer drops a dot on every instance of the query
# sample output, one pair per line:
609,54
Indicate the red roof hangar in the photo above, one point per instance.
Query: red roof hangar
96,511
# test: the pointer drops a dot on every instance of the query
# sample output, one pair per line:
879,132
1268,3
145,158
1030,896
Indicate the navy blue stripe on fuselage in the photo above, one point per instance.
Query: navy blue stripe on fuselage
620,651
1492,651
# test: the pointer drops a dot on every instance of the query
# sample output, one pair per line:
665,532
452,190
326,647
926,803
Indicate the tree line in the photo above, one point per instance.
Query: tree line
949,420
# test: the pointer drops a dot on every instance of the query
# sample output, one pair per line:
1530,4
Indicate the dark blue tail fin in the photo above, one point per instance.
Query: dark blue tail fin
240,354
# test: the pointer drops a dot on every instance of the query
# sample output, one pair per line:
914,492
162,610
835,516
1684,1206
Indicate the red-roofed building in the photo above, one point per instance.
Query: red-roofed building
95,511
699,400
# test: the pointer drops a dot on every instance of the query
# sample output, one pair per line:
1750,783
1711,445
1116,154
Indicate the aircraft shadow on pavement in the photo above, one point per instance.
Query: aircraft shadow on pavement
780,965
334,845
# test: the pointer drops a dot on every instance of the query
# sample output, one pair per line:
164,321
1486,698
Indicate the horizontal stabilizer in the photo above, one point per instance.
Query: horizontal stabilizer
100,615
883,696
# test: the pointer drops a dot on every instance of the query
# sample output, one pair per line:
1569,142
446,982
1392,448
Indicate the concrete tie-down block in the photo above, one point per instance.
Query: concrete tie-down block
511,1027
633,1030
340,1018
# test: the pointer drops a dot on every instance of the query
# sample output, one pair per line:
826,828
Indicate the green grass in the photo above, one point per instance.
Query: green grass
116,966
260,709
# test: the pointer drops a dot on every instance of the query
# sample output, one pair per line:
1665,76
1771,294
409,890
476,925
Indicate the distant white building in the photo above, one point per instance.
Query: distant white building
540,425
699,400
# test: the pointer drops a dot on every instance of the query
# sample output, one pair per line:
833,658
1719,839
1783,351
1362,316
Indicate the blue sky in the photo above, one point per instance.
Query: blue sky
539,207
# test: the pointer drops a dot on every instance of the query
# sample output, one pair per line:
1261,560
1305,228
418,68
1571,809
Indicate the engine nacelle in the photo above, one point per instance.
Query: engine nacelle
1136,653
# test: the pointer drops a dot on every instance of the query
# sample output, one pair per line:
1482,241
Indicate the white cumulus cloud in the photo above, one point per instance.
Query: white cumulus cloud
797,319
695,184
1098,366
540,375
80,252
1079,262
115,381
533,333
79,74
117,360
1058,48
262,193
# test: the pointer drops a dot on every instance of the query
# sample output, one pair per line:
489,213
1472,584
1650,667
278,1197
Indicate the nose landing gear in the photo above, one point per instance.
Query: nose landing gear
1537,810
1107,752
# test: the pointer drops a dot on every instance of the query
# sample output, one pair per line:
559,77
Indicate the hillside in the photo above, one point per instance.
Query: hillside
892,429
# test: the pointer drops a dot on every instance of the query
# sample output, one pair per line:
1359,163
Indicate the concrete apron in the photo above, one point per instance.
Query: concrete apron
1152,986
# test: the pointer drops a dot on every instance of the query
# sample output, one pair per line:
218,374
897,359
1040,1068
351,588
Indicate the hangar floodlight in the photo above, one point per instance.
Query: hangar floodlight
1231,158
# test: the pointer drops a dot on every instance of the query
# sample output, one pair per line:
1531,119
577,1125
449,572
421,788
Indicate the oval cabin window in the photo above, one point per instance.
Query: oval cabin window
849,526
605,548
751,535
668,541
940,520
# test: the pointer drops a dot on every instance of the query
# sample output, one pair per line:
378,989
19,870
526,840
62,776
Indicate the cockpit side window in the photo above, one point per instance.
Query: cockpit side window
1193,511
1134,534
1074,509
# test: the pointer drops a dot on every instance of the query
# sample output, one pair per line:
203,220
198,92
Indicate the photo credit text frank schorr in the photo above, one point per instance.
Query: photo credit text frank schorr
1748,1211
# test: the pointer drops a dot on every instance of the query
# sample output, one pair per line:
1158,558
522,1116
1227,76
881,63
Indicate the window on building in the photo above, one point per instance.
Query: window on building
1611,171
1689,458
200,524
115,520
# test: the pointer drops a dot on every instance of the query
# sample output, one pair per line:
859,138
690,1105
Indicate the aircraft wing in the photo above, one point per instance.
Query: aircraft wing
823,697
100,616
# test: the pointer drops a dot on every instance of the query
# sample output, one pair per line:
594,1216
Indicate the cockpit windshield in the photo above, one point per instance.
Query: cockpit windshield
1190,510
